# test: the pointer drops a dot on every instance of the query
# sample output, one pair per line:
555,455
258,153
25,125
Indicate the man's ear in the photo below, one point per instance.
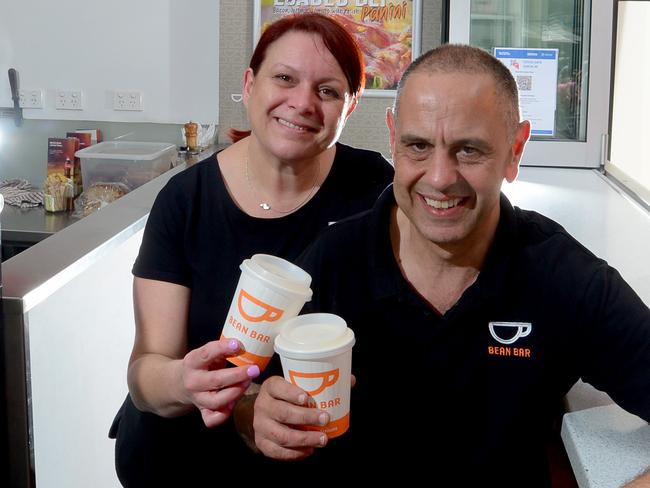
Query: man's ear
517,149
249,79
390,122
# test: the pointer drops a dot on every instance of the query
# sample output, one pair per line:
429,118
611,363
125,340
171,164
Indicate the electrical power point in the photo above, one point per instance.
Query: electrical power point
30,98
69,100
128,100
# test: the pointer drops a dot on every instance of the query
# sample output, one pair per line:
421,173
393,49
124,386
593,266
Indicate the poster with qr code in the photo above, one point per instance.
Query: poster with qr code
535,71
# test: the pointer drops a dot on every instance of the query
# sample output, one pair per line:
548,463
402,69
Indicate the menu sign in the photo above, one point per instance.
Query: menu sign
535,71
386,30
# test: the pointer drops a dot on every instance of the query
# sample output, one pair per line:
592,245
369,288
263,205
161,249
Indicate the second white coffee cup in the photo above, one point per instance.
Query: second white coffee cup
270,291
316,354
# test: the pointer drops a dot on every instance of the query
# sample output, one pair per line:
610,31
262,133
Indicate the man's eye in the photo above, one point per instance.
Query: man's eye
419,146
283,77
468,152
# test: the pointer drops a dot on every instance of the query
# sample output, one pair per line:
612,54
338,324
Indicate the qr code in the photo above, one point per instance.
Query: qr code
525,83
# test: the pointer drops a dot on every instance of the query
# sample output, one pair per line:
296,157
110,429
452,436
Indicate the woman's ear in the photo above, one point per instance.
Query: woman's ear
352,106
249,80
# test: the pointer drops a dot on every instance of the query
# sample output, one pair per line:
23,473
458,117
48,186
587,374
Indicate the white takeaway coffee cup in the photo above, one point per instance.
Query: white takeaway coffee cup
316,354
270,291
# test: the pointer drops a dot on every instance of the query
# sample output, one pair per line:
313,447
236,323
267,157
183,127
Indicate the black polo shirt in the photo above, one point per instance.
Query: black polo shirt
459,395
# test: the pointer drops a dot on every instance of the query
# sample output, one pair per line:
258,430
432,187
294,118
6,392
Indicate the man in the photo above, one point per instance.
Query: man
494,311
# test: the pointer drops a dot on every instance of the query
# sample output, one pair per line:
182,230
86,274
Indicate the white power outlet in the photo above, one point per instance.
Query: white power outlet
30,98
69,100
128,100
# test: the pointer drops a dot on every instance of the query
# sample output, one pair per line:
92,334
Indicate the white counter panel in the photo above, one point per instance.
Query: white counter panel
79,346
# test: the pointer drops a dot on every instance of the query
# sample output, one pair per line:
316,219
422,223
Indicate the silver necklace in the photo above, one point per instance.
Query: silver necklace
265,205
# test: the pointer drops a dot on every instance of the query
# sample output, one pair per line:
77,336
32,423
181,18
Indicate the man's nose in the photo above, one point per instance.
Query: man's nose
442,170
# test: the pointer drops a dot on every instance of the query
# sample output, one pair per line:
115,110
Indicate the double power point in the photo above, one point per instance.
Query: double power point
128,100
68,100
30,98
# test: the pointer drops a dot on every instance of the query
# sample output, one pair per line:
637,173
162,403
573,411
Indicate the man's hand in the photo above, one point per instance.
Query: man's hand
280,409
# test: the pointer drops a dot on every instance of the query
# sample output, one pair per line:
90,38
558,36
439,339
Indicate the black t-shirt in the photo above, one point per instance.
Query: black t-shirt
197,237
458,396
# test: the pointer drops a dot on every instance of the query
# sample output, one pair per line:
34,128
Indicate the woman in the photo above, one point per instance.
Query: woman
270,192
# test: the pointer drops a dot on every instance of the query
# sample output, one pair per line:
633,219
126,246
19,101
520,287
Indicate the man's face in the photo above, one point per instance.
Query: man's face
452,149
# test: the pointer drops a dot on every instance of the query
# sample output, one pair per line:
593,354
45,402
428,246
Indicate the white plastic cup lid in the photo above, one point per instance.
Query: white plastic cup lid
279,274
314,336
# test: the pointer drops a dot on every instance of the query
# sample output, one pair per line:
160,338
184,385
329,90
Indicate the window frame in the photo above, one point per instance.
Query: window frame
592,152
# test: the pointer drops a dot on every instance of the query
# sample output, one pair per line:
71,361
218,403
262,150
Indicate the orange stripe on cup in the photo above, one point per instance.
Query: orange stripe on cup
248,358
334,429
271,314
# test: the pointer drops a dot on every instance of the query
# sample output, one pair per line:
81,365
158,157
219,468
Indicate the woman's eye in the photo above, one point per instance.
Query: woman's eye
328,92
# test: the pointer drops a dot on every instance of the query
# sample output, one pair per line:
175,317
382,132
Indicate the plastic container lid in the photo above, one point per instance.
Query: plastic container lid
279,274
145,151
314,336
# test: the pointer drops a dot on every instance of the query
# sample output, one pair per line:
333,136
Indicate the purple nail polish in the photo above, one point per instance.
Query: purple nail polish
253,371
233,344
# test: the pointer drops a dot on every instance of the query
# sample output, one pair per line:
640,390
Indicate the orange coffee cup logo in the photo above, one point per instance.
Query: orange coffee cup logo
268,314
327,379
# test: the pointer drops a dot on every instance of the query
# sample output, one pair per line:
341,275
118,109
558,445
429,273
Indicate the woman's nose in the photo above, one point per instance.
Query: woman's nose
303,99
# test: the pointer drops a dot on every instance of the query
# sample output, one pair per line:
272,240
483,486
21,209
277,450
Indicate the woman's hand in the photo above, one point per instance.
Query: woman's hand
212,387
167,380
280,409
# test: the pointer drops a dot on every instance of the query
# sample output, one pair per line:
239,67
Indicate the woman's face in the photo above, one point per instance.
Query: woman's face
299,99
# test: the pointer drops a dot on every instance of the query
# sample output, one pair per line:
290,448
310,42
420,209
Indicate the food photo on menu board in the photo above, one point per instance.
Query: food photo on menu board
387,32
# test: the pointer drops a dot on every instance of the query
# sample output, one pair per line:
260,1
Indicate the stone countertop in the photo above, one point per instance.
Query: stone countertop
606,445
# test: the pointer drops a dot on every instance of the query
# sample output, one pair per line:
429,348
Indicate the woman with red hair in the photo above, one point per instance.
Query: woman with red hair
271,192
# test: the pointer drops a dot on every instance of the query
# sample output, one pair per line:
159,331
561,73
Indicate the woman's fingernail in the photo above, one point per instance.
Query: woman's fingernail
301,399
323,418
233,345
253,371
323,440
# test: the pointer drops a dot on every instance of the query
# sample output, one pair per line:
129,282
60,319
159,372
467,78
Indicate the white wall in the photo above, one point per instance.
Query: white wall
630,126
167,49
80,340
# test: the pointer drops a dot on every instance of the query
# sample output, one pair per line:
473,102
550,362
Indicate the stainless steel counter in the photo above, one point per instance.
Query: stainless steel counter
32,225
24,227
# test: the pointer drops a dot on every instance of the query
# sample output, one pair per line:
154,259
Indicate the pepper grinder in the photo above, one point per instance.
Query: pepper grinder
191,136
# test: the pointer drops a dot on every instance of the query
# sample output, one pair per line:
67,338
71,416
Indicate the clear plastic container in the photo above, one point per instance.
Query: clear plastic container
127,162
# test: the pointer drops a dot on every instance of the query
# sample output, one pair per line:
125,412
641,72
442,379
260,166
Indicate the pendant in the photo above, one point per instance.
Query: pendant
265,206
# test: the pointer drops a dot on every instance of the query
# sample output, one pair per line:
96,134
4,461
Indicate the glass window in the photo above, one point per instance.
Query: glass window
629,159
543,24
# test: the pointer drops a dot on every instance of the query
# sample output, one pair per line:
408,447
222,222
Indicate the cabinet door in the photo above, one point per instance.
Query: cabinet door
565,91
